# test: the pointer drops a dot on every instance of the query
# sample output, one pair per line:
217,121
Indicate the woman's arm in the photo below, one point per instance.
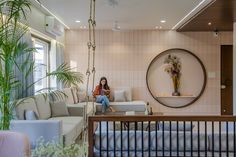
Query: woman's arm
96,91
107,91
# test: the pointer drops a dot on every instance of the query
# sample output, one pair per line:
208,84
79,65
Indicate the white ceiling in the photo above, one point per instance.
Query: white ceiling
130,14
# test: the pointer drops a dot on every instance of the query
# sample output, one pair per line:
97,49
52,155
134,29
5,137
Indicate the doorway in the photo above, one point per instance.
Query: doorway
226,79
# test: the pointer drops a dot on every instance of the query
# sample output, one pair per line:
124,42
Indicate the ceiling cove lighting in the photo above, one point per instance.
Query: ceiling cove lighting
198,8
46,9
82,27
158,27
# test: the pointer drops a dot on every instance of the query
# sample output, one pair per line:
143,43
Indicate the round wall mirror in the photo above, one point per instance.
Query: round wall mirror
176,78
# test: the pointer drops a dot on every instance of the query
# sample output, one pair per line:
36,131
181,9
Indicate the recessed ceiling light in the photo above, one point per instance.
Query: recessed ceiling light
156,27
209,23
163,21
160,27
77,21
81,27
84,27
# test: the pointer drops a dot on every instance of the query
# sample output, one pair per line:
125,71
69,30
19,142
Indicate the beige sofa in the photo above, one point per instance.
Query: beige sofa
75,98
123,106
120,107
64,129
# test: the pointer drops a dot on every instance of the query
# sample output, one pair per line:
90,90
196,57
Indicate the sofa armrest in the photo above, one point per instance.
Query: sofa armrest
76,110
49,130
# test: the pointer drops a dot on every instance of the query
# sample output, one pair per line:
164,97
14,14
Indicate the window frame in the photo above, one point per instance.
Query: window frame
47,47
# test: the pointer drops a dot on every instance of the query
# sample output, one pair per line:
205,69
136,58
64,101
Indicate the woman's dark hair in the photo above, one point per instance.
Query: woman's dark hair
106,84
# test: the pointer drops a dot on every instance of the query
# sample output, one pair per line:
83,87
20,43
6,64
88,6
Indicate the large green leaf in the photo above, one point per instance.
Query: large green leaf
65,74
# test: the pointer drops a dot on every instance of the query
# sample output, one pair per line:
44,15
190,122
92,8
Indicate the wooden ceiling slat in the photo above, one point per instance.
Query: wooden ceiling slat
222,14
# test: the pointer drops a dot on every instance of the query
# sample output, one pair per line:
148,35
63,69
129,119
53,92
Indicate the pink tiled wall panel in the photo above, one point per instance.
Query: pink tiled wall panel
123,57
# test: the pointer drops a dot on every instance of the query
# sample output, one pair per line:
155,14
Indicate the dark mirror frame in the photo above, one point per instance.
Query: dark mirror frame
184,51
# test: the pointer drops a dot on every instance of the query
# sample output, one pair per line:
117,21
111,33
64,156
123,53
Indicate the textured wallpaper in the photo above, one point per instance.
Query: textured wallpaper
123,57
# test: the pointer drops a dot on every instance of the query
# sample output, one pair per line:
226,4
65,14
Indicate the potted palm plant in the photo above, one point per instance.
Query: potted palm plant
13,26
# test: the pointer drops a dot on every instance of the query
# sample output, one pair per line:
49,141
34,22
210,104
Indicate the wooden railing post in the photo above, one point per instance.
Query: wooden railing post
90,137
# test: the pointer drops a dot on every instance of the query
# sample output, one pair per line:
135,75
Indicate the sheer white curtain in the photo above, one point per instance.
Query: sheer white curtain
56,59
59,60
24,80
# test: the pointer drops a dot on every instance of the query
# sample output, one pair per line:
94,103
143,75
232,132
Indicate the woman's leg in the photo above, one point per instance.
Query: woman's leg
104,107
100,99
107,102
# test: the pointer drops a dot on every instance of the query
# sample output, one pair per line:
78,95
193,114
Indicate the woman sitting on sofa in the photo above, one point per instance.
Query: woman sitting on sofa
102,94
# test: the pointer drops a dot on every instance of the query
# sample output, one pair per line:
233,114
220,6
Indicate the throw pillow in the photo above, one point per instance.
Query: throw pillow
119,96
59,109
69,95
81,96
30,115
74,93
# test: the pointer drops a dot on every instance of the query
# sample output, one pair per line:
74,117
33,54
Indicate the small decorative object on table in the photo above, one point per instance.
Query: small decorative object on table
173,68
147,109
150,112
130,113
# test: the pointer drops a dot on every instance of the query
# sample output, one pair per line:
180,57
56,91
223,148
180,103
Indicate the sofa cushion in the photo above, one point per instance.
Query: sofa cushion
56,96
223,140
69,96
110,145
104,125
81,96
25,104
30,115
43,106
128,92
71,128
119,96
82,106
166,135
59,109
138,106
188,126
74,91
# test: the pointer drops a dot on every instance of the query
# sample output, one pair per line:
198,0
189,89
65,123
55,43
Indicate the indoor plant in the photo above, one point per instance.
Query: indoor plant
173,68
52,149
13,26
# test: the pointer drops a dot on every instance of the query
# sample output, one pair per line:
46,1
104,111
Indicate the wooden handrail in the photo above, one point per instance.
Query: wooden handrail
140,118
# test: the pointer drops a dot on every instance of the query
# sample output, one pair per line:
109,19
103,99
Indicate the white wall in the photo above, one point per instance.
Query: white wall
36,20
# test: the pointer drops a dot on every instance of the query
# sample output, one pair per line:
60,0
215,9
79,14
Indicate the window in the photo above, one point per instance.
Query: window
41,58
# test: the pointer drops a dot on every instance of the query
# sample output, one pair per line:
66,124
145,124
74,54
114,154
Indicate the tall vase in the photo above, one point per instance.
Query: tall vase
176,84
